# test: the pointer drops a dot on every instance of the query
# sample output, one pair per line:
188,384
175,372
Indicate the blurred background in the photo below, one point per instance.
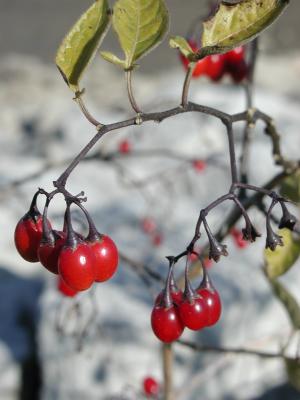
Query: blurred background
100,344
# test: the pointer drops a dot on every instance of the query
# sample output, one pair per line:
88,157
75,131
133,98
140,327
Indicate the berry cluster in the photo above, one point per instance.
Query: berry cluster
78,261
175,310
217,65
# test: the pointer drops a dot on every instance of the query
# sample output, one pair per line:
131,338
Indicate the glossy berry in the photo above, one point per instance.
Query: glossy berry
199,165
215,66
193,313
166,323
28,234
124,147
76,266
48,252
151,386
106,257
213,305
64,289
148,225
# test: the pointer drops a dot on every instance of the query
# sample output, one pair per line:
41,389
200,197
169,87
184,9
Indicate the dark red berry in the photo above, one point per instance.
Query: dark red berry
193,313
157,239
166,323
28,234
76,266
124,147
213,305
64,289
151,386
238,71
106,257
48,252
215,66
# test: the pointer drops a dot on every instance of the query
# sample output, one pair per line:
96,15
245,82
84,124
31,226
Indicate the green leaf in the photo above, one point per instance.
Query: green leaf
140,26
237,24
112,58
288,301
80,44
293,372
278,262
180,43
290,187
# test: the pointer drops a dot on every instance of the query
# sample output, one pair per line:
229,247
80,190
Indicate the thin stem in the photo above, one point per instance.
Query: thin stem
186,85
128,75
167,353
234,174
85,111
237,351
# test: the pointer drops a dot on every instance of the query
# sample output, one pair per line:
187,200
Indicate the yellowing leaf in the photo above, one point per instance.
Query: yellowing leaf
81,43
236,24
180,43
278,262
290,187
140,26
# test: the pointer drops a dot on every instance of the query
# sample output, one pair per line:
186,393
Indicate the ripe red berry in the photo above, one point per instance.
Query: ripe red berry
199,165
64,289
238,238
193,313
236,55
148,225
215,66
166,323
124,147
76,266
151,386
48,252
213,305
238,71
28,234
106,257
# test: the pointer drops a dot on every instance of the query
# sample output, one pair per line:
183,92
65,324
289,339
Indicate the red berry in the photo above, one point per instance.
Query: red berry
199,165
193,313
238,71
213,305
207,262
166,323
65,289
151,386
236,55
238,238
215,66
124,147
148,225
76,266
106,257
48,253
28,234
